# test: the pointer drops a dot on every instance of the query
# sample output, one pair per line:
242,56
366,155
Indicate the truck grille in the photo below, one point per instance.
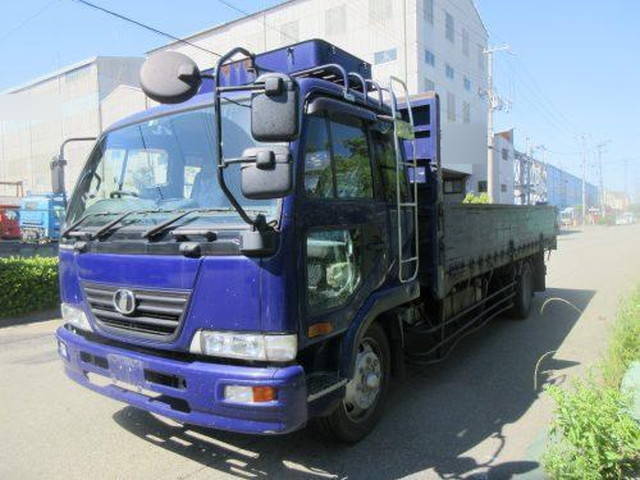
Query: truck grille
157,313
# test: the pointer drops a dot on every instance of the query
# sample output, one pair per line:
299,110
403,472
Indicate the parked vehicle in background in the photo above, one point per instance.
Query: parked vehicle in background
10,194
272,250
9,222
626,218
568,217
41,216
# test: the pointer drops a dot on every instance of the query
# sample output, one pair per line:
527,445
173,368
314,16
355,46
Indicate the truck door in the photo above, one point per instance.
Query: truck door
342,221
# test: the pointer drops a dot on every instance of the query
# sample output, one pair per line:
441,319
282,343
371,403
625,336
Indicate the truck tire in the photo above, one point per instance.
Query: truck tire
524,293
357,414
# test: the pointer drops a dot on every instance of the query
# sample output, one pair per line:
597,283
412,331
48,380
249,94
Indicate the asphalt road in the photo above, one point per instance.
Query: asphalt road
477,415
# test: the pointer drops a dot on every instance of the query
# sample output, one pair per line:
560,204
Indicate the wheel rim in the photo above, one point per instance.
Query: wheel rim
364,388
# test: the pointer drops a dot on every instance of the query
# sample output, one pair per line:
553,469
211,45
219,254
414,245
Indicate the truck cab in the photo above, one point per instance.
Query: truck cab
240,303
41,216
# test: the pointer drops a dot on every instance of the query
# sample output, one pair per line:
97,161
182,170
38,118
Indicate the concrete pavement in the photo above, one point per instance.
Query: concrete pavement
476,415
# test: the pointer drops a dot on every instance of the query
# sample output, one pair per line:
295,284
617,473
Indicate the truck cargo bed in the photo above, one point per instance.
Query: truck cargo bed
476,238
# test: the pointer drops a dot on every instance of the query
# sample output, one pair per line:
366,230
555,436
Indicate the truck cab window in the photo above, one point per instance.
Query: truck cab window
318,175
352,160
333,267
384,154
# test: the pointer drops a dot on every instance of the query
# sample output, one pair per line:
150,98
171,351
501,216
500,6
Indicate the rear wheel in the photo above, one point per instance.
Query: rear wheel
362,406
524,293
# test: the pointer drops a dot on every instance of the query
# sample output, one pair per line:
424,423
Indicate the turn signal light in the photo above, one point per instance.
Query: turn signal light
246,394
264,394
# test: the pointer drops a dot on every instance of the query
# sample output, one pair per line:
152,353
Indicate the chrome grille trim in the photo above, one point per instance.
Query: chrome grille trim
158,314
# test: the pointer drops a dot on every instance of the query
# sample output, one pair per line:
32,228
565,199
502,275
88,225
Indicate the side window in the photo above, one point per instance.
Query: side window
333,267
318,175
352,160
384,153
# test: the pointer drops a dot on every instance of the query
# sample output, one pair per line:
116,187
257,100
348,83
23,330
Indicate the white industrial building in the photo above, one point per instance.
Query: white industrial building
75,101
505,155
432,44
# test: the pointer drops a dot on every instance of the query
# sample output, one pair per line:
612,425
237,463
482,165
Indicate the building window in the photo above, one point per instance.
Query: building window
467,83
503,188
429,85
335,21
385,56
505,154
449,71
482,186
289,33
428,11
481,58
449,27
466,112
430,58
453,186
451,107
465,42
379,11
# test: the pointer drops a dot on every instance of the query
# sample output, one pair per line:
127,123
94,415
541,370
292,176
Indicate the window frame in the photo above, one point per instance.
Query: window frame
325,114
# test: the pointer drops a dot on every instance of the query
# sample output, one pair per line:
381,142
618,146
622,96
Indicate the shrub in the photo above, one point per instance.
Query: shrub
27,285
592,435
473,198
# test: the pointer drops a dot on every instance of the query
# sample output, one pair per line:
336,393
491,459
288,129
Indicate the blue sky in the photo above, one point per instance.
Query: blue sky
574,67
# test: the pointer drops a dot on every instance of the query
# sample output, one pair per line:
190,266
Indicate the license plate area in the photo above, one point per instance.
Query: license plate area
126,370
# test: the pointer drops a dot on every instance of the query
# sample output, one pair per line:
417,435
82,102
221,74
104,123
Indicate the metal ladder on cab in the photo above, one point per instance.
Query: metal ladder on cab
408,263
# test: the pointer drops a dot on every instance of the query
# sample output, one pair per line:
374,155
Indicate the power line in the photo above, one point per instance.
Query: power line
8,33
144,25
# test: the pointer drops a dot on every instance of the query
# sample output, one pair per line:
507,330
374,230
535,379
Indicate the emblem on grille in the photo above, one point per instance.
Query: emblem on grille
124,301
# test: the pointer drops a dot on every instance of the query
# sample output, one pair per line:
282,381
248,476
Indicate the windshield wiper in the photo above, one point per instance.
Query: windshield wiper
153,231
69,232
109,226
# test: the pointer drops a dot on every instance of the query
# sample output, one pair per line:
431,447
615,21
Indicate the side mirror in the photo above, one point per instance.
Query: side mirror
274,112
170,77
269,176
57,174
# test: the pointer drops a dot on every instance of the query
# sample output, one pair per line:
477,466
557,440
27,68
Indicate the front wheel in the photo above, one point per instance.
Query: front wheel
360,410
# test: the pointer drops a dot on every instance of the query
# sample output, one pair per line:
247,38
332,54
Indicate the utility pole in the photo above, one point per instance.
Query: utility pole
495,103
600,148
584,179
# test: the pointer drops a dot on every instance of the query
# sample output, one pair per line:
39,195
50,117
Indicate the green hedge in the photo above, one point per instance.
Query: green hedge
27,285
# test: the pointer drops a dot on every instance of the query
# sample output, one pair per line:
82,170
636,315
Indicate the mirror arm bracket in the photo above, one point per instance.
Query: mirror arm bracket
218,120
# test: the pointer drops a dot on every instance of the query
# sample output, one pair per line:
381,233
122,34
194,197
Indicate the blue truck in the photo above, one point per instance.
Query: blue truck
269,247
41,216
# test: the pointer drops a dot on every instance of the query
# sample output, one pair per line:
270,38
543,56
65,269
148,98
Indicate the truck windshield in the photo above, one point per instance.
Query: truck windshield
167,164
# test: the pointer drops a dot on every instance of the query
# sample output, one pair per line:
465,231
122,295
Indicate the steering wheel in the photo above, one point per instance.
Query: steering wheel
122,193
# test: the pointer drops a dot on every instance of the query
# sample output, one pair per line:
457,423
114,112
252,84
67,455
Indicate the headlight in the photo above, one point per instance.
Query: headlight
246,346
75,316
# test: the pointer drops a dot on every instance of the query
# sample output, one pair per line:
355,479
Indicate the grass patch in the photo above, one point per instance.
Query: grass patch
592,436
27,285
624,346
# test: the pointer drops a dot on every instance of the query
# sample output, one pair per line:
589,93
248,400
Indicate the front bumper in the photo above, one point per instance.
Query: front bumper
188,392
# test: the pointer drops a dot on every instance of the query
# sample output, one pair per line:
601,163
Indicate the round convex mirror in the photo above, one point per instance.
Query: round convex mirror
170,77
